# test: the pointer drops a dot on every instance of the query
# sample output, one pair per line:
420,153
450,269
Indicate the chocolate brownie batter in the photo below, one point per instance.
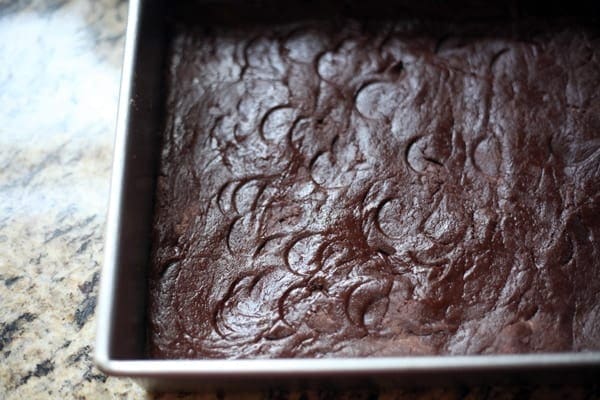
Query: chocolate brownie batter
344,188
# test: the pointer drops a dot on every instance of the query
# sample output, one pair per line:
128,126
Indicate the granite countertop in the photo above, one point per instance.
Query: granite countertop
59,80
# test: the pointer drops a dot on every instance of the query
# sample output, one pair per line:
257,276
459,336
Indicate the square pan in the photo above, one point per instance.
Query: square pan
121,315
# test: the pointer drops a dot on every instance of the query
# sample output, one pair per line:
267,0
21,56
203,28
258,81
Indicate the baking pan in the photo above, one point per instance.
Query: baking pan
121,315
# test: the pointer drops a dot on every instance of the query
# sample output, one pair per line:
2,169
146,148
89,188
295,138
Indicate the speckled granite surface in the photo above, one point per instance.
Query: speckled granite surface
59,78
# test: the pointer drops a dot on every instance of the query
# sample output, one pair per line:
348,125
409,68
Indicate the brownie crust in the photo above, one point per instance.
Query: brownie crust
341,188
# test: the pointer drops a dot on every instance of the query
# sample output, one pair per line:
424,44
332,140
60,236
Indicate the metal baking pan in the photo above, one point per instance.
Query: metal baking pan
121,336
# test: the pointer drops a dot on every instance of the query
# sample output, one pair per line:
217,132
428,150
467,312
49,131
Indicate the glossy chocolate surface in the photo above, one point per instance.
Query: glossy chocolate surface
341,188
